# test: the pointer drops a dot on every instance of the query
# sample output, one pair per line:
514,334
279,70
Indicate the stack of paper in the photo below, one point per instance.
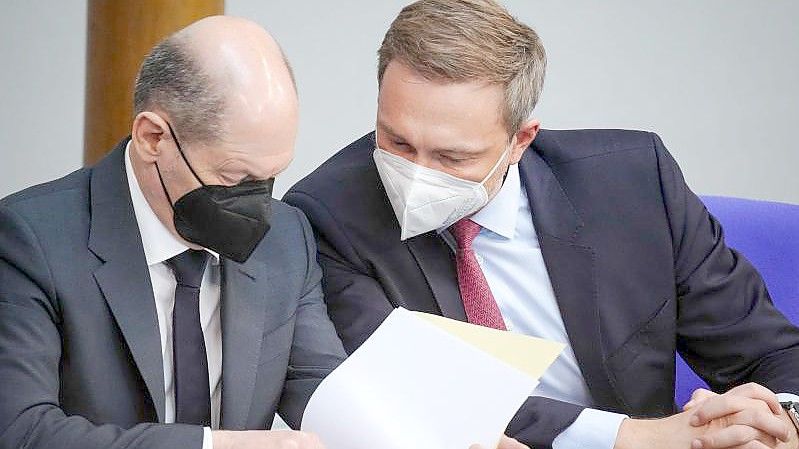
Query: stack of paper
426,382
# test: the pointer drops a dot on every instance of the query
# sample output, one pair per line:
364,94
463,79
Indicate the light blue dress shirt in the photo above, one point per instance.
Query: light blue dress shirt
508,252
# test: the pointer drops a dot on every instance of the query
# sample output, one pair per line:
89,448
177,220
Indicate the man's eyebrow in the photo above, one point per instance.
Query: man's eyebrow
460,150
466,150
388,130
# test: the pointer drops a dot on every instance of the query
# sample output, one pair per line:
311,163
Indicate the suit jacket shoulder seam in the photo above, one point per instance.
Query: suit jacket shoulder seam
49,290
604,153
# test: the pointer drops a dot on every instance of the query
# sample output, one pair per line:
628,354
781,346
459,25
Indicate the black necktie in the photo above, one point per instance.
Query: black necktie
192,393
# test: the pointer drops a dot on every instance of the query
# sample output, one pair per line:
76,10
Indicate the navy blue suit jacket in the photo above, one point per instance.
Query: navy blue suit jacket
639,268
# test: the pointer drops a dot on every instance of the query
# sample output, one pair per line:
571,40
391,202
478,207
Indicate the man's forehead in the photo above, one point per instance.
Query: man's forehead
256,158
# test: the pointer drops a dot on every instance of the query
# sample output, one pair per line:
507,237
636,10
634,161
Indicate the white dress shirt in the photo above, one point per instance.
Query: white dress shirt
159,246
508,252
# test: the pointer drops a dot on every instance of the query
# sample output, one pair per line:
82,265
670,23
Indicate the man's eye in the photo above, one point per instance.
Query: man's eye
451,159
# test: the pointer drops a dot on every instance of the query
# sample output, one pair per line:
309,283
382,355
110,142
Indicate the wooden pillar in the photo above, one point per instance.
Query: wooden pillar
120,33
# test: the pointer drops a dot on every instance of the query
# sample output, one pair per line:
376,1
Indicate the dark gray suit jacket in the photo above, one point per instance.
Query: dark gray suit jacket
639,268
80,352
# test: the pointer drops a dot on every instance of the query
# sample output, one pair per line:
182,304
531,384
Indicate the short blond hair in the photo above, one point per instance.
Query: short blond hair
469,40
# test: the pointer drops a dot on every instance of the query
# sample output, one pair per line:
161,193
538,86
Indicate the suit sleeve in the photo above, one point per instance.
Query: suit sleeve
316,350
356,301
358,304
728,330
30,356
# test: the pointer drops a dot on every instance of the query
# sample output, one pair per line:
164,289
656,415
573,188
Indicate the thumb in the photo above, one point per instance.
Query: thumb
698,396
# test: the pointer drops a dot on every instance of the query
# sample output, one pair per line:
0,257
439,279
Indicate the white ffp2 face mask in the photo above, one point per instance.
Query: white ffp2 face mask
425,199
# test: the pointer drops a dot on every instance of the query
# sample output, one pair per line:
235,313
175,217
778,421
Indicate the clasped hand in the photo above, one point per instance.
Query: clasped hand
747,417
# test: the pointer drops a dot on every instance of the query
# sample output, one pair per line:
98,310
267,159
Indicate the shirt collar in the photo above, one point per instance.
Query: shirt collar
500,214
159,243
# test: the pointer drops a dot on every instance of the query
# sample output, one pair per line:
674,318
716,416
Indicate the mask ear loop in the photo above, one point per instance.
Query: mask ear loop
182,155
496,166
163,186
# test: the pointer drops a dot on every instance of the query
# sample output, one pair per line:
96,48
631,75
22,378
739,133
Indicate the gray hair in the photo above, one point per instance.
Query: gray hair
172,79
470,40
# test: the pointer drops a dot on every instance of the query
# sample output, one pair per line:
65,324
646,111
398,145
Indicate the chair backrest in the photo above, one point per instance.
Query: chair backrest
767,234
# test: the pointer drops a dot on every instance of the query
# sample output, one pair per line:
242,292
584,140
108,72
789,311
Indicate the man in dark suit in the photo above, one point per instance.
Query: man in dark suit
162,293
460,205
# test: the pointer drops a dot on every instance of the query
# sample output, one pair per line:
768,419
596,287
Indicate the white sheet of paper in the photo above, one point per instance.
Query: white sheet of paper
415,385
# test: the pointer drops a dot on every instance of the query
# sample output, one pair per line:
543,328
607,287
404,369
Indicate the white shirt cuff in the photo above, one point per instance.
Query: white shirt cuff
208,442
598,429
595,429
786,397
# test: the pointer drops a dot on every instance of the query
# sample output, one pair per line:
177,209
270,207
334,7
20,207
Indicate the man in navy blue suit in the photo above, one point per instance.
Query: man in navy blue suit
459,204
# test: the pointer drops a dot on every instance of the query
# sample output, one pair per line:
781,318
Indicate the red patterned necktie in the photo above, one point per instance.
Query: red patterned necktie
479,303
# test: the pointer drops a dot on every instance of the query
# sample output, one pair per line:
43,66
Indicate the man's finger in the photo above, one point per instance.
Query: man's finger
734,436
719,406
757,391
763,421
316,442
697,397
724,405
510,443
702,393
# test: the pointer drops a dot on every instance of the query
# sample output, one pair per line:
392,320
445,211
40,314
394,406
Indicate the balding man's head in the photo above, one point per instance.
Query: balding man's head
216,105
213,69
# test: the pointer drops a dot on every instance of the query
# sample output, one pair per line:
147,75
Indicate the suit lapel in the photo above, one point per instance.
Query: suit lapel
244,290
571,269
438,266
124,278
570,265
435,259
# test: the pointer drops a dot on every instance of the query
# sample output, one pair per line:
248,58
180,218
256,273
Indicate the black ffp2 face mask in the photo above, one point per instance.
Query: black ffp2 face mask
231,220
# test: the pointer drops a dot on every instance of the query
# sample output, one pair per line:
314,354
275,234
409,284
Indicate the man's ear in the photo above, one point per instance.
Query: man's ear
149,131
523,138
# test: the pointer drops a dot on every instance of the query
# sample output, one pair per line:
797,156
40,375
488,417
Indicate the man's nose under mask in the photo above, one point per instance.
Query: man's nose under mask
424,199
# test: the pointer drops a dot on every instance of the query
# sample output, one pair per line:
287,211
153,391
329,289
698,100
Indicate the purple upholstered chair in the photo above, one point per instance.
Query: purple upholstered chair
767,234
